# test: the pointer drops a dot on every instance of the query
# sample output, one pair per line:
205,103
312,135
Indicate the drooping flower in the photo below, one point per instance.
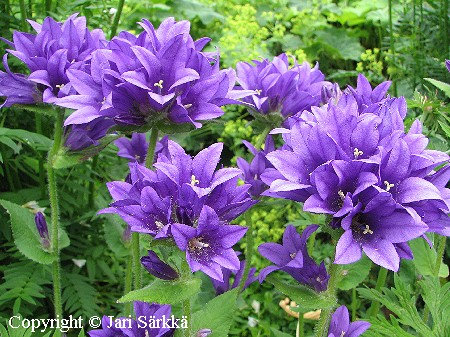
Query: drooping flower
340,324
292,257
153,264
208,246
17,88
81,136
278,88
41,225
146,324
135,149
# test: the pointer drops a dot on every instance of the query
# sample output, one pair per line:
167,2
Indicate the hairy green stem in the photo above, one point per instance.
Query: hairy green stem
54,205
40,159
392,44
325,317
91,197
381,280
23,14
186,273
151,148
116,18
128,282
248,249
136,253
353,305
300,326
262,138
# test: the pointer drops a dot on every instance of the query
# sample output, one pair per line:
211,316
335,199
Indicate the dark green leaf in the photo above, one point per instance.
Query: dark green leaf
353,274
217,315
26,236
164,292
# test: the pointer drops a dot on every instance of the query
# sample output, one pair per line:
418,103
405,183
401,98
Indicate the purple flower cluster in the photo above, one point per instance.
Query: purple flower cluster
157,78
278,88
292,257
353,160
149,323
187,200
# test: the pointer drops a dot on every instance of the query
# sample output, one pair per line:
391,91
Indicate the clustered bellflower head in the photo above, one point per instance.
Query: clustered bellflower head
157,78
48,53
353,160
187,200
292,257
340,324
145,325
278,88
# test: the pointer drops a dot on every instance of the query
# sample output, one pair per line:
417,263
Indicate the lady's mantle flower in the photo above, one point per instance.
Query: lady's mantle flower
208,246
292,257
279,88
340,325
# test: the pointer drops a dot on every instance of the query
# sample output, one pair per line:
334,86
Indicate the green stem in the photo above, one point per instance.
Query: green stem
392,45
248,249
136,253
92,182
262,138
300,326
128,282
186,272
116,18
325,317
151,148
353,305
53,193
381,280
23,14
41,159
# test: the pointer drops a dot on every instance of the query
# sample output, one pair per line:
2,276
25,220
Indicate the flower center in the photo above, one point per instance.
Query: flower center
342,334
258,91
159,84
367,230
159,224
360,230
341,195
60,86
388,186
196,244
357,153
194,181
292,255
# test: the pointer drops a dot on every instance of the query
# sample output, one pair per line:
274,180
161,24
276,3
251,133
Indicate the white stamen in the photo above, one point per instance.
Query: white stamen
367,230
194,181
357,153
388,186
159,84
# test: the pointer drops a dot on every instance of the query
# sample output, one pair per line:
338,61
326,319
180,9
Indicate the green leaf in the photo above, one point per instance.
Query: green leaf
440,85
44,109
305,297
36,140
353,274
113,233
26,236
165,292
339,44
81,334
217,315
425,258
